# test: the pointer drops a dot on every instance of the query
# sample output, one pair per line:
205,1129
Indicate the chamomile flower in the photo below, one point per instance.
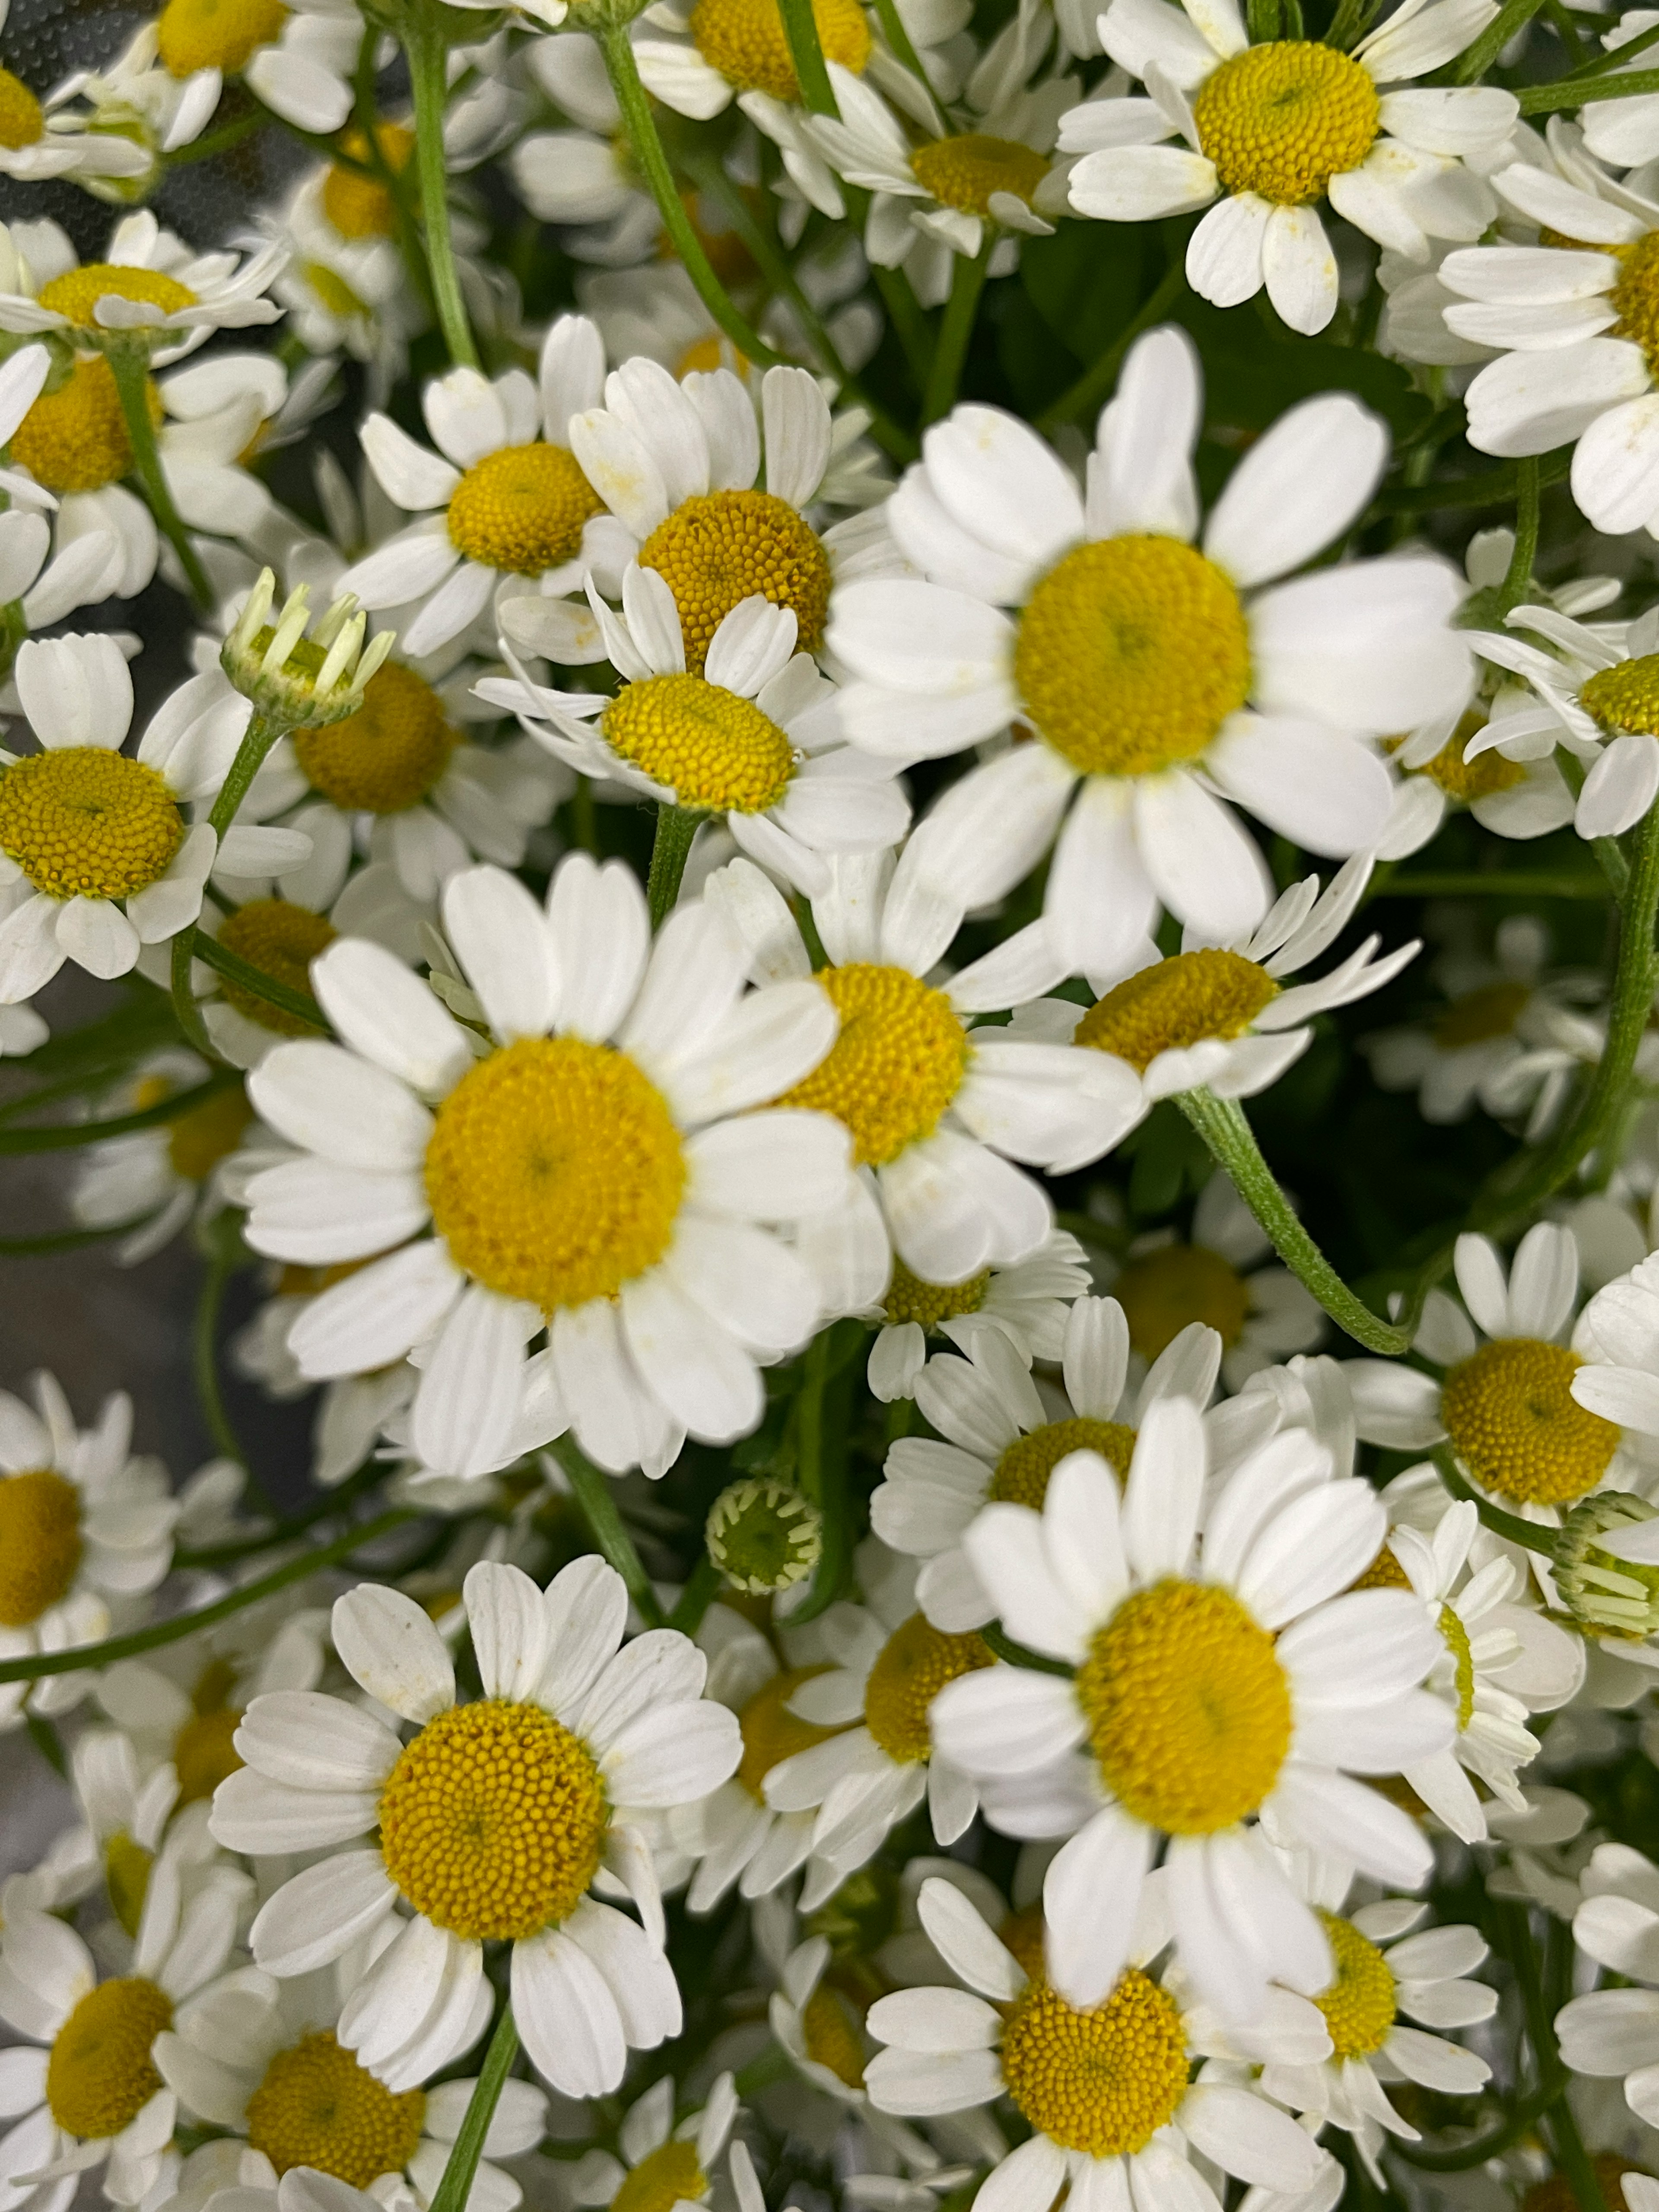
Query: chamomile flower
1026,1302
83,1527
151,291
162,1178
1215,1683
751,739
352,1410
1261,695
639,1254
659,2163
1000,1440
937,1113
1104,2088
1612,2031
45,587
490,1823
296,55
38,141
1274,128
709,54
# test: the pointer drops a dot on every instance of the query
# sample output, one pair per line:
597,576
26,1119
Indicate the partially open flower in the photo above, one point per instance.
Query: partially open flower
295,679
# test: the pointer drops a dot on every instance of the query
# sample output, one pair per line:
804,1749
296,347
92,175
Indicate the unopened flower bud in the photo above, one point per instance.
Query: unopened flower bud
1607,1595
298,672
763,1535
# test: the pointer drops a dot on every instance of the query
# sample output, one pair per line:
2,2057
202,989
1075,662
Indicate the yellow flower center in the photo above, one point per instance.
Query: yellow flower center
76,293
1023,1472
712,749
1462,778
359,206
1384,1572
203,1754
1188,1708
555,1172
1635,296
1359,2006
663,2178
897,1065
1023,1933
209,1132
331,289
1624,696
87,823
1515,1423
100,2075
22,120
1101,2083
771,1733
126,1877
222,35
281,941
1282,119
1455,1637
388,754
830,2036
723,546
75,439
522,508
964,172
39,1544
1177,1005
912,1668
493,1820
1479,1016
909,1298
745,40
318,2107
1131,652
1165,1290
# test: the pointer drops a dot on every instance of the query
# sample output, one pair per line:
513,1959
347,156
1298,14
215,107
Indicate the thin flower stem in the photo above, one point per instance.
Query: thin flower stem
37,1663
468,2148
806,52
260,735
1096,381
944,378
821,1448
1492,487
130,367
676,828
1617,57
1574,92
893,30
1488,2146
599,1502
1495,883
225,1249
1529,1535
423,43
69,1136
1569,2153
1476,59
702,1587
184,996
1518,581
212,954
1019,1655
285,1530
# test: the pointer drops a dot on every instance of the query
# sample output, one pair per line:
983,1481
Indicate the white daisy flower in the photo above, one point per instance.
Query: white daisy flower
38,141
1002,1439
574,1740
1026,1302
1213,1683
937,1112
1273,129
1265,699
345,285
352,1410
660,2163
752,740
45,587
163,1177
83,1526
1105,2088
819,2027
127,1808
705,55
580,174
295,56
1616,2031
150,289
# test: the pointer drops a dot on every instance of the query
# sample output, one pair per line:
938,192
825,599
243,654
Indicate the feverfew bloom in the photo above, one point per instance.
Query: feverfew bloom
1026,1301
1105,2087
575,1740
1214,1682
297,56
1261,695
38,141
630,1064
1616,2031
662,2162
152,291
152,1181
1274,129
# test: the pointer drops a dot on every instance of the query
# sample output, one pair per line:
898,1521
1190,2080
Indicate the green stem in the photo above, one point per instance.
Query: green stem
212,954
1490,2144
1567,30
72,1134
468,2148
1492,487
1096,381
260,735
159,1633
821,1470
225,1249
806,52
1615,58
1518,581
1573,92
423,43
763,2073
1020,1655
967,283
217,142
1609,852
1569,2153
598,1500
1492,883
676,827
1509,1526
701,1590
284,1531
909,319
1475,60
130,367
898,39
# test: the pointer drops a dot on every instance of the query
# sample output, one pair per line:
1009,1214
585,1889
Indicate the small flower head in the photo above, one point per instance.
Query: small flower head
1607,1595
294,678
763,1535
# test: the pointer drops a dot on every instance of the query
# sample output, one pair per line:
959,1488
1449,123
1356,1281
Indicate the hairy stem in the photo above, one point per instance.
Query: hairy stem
423,42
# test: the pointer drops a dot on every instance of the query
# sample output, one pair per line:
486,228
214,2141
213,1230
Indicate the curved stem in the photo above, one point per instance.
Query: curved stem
702,1587
944,378
468,2148
71,1134
225,1249
1569,2153
1529,1535
1483,2147
598,1500
1518,581
676,827
184,996
1019,1655
212,954
130,367
423,43
1096,381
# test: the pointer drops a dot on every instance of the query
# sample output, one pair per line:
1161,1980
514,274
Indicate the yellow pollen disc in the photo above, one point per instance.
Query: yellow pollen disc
388,754
771,1733
1165,1290
909,1298
1456,1639
199,1141
911,1668
1555,2193
39,1544
897,1065
331,289
1188,1708
222,35
831,2036
1283,119
723,546
1480,1015
1625,697
1102,2082
75,439
745,40
1023,1933
281,941
712,750
1131,652
1462,778
522,508
126,1877
663,2178
22,120
76,293
318,2107
87,823
703,356
1023,1472
100,2075
1515,1423
1384,1572
1636,297
204,1753
1359,2006
493,1820
555,1172
295,1281
358,206
1177,1005
964,172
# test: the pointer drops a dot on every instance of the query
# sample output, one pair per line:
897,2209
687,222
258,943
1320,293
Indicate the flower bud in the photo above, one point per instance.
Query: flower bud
763,1535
